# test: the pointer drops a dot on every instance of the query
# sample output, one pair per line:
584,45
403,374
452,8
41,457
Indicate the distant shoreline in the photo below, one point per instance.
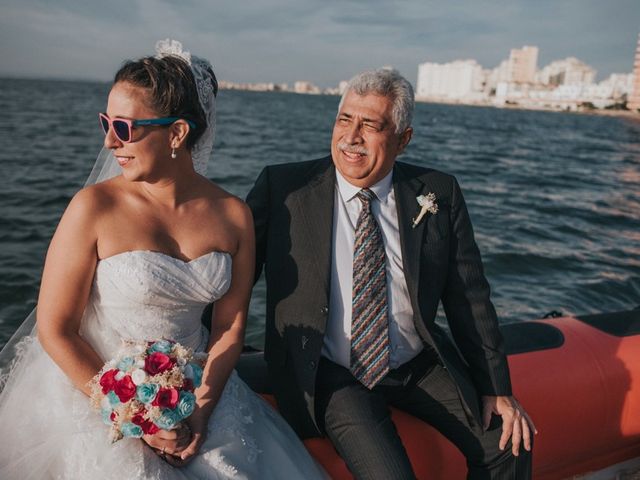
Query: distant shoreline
595,111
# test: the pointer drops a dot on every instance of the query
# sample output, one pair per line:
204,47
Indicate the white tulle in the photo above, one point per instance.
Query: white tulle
205,80
48,430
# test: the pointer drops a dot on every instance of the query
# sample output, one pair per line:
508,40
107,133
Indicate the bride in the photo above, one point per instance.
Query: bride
137,257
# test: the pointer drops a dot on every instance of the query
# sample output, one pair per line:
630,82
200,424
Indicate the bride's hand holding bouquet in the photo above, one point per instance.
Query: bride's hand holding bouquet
147,391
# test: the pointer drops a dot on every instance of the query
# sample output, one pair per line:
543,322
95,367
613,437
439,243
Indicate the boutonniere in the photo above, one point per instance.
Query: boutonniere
427,205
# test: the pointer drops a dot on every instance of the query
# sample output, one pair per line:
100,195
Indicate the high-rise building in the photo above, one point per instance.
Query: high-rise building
618,84
634,99
523,64
569,71
450,81
302,86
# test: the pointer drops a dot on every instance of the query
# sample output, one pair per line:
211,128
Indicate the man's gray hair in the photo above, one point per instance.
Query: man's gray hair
387,83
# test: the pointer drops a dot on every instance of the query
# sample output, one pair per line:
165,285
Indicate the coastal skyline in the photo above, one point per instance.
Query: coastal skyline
322,42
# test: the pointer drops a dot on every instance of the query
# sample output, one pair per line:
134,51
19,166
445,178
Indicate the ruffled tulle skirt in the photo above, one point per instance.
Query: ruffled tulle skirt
48,430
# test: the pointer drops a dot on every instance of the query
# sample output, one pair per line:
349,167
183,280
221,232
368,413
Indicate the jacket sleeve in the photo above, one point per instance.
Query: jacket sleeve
258,201
470,313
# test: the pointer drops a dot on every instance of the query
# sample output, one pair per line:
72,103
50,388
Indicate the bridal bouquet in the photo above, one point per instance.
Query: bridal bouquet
147,387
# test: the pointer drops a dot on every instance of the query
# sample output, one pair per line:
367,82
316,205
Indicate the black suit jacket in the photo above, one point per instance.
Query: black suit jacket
292,206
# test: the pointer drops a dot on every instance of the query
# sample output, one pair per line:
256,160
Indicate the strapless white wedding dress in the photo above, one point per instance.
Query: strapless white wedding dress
48,429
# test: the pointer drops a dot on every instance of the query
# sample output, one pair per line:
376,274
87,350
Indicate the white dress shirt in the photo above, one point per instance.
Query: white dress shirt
405,342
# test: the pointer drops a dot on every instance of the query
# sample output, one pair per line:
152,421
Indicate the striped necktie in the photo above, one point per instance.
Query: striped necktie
369,322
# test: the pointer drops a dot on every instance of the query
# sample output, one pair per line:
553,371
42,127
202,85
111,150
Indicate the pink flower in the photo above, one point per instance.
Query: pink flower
157,363
125,389
108,381
166,398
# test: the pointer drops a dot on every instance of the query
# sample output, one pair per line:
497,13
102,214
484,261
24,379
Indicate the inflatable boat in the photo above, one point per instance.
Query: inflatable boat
578,378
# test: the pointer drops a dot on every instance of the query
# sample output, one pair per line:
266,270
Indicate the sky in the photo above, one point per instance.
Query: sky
322,41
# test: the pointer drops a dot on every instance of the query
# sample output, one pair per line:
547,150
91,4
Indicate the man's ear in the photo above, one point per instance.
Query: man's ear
405,138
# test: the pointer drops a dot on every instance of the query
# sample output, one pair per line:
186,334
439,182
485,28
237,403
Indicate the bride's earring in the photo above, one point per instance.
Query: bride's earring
173,153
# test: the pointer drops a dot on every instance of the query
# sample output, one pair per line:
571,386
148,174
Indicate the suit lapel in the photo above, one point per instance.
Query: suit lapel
315,208
406,190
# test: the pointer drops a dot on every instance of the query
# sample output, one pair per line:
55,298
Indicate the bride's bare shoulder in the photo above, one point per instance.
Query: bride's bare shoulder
220,197
98,198
225,206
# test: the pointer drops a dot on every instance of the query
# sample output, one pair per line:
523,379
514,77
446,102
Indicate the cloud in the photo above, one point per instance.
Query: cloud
322,41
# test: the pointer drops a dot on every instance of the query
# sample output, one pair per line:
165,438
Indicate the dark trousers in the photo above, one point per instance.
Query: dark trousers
358,422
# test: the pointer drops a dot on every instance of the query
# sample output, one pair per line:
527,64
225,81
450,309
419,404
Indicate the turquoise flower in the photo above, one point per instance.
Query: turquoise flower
113,398
186,404
168,419
106,416
162,346
129,429
194,372
126,364
147,392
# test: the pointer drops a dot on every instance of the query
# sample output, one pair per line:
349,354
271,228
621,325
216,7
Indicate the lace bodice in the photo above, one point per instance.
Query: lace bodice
145,295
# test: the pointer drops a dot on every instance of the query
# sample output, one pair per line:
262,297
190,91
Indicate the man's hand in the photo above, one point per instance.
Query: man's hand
516,423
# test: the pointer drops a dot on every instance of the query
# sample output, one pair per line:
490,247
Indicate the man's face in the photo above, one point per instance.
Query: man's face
364,144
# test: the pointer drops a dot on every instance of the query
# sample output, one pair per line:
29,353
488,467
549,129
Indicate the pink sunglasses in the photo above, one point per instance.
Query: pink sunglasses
123,128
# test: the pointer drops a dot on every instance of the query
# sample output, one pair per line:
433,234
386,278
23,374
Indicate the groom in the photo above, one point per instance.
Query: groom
359,250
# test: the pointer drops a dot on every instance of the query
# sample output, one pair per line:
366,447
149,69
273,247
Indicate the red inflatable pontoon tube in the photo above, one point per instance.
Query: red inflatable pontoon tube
584,397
